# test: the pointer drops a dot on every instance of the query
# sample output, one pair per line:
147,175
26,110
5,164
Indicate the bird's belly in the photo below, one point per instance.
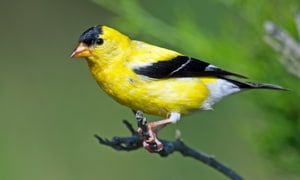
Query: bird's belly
158,97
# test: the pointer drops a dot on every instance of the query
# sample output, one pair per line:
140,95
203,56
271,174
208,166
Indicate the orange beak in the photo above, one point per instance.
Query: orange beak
82,50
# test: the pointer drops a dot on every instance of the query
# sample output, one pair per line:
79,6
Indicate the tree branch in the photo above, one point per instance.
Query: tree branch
135,141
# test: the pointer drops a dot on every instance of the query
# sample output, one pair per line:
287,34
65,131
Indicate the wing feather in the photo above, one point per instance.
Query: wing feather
182,66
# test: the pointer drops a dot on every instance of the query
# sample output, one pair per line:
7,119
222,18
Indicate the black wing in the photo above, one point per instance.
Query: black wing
182,66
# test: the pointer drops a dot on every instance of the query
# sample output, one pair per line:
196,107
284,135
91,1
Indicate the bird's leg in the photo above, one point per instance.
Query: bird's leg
156,126
151,142
149,130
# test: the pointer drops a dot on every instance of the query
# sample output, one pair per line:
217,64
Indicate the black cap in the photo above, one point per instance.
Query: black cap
91,35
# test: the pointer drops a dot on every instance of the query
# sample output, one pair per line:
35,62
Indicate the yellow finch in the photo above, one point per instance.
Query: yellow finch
155,80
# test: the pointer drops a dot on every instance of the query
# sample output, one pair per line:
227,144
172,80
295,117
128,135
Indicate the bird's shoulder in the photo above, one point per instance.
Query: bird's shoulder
142,53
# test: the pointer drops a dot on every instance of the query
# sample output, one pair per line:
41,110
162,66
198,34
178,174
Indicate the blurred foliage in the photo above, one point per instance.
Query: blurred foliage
230,36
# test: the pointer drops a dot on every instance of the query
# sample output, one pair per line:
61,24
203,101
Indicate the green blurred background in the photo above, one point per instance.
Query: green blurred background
51,106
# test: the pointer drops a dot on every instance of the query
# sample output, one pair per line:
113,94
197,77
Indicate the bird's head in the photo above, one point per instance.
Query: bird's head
99,42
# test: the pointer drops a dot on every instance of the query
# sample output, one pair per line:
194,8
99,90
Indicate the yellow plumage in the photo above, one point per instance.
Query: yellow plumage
155,80
111,66
133,73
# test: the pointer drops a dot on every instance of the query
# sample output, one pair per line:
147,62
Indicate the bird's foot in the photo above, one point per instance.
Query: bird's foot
148,134
150,140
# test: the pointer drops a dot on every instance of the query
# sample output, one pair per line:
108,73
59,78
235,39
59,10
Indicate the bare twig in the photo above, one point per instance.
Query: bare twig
282,42
297,22
135,141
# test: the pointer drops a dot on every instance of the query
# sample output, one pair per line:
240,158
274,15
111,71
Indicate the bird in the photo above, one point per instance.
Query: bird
156,80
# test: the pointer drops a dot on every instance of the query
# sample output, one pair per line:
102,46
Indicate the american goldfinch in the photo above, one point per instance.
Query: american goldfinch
155,80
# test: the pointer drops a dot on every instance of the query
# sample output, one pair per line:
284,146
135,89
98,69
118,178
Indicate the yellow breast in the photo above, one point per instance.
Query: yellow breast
157,97
112,69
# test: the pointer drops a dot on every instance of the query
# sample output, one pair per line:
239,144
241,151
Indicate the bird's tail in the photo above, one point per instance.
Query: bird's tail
252,85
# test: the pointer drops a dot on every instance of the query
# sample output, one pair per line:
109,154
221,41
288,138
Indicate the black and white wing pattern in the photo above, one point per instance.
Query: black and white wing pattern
182,66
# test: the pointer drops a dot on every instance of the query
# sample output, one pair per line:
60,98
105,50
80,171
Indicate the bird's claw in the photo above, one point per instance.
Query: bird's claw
150,141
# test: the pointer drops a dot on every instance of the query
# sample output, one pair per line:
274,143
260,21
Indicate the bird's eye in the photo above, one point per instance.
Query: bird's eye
99,41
